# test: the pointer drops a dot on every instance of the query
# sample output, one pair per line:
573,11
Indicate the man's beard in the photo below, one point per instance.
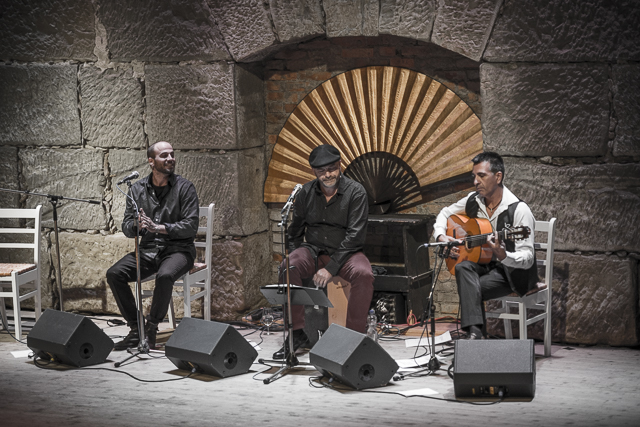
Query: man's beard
334,185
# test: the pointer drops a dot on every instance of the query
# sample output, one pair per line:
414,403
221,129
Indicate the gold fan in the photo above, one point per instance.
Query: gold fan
400,133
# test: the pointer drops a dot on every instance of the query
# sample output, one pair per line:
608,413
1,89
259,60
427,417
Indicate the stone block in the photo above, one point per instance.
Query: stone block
84,260
71,173
626,107
346,18
160,30
112,108
545,110
246,27
122,163
561,30
39,105
234,181
9,179
597,206
240,267
204,106
601,304
41,30
296,20
412,19
463,26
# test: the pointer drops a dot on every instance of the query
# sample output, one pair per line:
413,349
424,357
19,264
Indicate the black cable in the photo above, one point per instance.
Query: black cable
340,389
45,366
14,337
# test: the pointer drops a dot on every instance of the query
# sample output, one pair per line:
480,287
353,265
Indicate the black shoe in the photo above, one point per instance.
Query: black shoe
300,342
131,340
150,333
473,333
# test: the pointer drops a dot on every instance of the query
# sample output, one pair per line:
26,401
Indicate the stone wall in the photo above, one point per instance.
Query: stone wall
86,86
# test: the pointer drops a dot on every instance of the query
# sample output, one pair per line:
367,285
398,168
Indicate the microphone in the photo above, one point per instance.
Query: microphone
291,198
447,244
132,175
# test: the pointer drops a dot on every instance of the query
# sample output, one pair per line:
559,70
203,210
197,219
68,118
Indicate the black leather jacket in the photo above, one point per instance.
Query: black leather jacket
177,211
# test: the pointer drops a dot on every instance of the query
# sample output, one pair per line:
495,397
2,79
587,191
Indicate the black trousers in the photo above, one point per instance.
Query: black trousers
476,284
168,269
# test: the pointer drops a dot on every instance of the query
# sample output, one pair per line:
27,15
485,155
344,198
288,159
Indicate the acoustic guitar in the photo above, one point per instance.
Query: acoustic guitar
474,232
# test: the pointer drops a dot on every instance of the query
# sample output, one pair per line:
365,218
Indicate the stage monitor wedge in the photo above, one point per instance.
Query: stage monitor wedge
352,358
69,338
484,368
210,347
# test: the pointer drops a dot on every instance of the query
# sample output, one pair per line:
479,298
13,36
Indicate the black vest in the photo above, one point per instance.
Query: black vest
520,280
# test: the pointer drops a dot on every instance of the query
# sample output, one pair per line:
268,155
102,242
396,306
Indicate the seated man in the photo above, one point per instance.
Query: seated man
512,268
326,237
168,219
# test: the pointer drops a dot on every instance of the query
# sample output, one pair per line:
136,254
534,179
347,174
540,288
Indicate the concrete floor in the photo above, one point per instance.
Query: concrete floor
580,386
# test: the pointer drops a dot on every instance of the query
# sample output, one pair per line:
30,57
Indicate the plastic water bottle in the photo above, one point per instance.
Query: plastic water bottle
372,325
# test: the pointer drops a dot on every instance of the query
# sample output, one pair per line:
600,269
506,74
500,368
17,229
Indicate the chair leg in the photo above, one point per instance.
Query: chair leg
3,314
522,312
207,300
547,331
17,318
38,298
172,314
508,333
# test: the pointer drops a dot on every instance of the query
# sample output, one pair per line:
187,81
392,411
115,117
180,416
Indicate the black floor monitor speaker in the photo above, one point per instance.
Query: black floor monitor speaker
69,338
352,358
209,347
485,368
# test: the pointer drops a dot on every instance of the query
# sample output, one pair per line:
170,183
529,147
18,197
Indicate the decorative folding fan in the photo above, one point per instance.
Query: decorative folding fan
400,133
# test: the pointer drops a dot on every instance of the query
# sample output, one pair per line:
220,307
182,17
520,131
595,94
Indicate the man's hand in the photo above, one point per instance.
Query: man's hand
498,248
321,278
146,222
455,251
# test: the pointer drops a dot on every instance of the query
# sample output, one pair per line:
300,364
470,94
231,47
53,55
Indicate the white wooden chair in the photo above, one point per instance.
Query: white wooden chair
15,276
199,277
539,299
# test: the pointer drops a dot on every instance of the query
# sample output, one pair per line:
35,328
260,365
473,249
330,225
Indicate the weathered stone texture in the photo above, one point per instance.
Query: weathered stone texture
245,25
234,182
412,19
204,106
240,267
84,259
463,26
626,107
601,299
40,30
9,178
351,17
112,108
597,206
69,173
160,30
122,163
559,30
296,20
545,110
39,105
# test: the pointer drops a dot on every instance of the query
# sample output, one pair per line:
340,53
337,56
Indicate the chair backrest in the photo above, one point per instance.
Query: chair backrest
548,227
206,212
34,214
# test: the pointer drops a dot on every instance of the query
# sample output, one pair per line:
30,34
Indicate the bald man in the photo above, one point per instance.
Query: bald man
168,216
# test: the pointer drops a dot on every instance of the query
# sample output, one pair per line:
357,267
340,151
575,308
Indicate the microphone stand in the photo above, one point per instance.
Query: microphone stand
54,203
290,360
143,345
443,251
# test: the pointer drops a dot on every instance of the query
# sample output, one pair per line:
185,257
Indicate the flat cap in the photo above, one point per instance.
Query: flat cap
323,155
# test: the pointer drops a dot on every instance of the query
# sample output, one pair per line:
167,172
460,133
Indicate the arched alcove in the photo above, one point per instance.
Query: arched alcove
401,134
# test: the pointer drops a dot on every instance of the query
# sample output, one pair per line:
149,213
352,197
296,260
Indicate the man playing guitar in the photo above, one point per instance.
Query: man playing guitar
512,267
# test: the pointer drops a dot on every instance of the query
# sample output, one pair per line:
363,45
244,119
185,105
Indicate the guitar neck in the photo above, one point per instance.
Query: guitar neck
481,239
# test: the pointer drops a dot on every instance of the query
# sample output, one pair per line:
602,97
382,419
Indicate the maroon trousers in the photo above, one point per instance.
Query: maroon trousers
357,271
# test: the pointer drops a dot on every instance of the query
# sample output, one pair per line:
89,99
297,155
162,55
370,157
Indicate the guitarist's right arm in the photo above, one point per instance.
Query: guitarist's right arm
440,227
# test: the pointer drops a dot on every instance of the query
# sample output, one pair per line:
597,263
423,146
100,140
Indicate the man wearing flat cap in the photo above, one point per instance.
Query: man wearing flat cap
326,237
